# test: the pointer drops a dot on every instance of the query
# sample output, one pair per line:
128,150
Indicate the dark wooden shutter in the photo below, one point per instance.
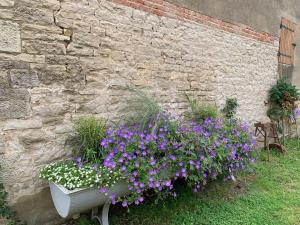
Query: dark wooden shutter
287,42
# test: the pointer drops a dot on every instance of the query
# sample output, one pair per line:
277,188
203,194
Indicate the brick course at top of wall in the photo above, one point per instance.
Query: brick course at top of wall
166,9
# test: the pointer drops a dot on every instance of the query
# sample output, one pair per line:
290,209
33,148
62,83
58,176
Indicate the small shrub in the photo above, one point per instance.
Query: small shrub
199,112
230,108
89,132
282,98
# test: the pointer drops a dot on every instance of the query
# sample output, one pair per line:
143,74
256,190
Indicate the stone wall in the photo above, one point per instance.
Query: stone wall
63,59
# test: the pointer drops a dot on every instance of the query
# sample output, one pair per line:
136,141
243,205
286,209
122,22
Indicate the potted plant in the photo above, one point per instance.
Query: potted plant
146,156
76,188
282,104
82,184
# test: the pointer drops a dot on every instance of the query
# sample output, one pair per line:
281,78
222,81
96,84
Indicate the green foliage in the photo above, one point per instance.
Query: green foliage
283,91
142,109
275,112
282,98
90,131
85,221
198,112
5,210
230,108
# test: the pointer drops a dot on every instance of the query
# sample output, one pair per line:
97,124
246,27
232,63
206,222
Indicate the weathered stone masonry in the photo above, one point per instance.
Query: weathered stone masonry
63,59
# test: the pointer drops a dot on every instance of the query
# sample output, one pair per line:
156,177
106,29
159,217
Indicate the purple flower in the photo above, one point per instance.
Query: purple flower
124,204
157,184
168,183
113,196
141,199
95,167
79,162
135,173
152,161
78,159
120,160
104,143
172,157
253,160
233,155
103,190
152,172
297,112
123,168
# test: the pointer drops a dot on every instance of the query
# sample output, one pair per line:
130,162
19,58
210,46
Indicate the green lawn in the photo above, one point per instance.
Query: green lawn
268,196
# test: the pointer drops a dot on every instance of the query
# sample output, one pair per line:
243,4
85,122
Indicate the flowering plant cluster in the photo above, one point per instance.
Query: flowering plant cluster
73,174
152,159
151,156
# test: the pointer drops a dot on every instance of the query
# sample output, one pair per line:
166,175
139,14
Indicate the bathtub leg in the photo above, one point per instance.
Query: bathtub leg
105,211
103,216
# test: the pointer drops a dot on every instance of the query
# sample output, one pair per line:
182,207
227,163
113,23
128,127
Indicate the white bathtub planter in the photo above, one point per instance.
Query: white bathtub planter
68,203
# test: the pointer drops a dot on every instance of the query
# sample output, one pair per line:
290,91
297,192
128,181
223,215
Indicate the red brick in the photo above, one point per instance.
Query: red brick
167,9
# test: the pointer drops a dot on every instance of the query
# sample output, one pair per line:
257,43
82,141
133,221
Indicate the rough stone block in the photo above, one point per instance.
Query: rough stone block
31,14
14,103
23,58
7,3
6,14
52,110
57,59
45,36
7,65
20,124
32,136
38,28
43,47
24,78
4,81
10,40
